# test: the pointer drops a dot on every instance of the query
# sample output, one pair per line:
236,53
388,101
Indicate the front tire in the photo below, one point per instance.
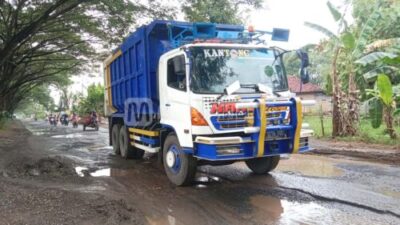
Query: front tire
127,150
263,165
115,138
179,166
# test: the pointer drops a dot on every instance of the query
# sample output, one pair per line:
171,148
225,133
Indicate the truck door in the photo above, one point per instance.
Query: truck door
174,97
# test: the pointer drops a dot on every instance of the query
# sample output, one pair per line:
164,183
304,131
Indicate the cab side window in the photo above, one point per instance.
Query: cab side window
176,74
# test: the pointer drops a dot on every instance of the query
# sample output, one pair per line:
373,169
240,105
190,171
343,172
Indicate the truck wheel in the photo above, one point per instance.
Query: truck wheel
179,166
115,138
127,150
263,165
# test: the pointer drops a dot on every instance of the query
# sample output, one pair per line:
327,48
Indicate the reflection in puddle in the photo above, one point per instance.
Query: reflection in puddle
201,186
303,213
39,133
162,221
79,170
99,148
310,166
82,171
390,193
73,135
266,208
91,189
202,179
101,173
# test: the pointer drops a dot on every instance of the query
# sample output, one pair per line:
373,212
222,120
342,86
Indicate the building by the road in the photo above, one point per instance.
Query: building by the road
311,91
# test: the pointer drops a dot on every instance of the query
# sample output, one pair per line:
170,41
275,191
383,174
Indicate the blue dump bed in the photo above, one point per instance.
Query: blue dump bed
132,69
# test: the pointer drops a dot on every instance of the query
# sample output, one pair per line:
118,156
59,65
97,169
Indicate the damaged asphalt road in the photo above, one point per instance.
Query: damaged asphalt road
61,175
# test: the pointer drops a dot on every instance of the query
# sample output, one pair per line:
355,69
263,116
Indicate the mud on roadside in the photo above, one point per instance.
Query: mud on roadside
360,151
39,188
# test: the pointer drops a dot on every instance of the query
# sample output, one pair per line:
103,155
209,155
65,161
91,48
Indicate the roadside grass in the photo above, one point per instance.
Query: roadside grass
3,123
366,134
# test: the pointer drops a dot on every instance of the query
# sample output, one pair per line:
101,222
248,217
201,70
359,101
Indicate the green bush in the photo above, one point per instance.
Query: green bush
366,133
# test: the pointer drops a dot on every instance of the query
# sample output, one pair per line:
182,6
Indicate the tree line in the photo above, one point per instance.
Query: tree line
45,42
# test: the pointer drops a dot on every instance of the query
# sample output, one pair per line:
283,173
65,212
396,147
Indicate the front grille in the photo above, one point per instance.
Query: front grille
241,120
233,121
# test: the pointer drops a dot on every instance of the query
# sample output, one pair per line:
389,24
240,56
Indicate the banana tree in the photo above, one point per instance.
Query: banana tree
382,104
348,45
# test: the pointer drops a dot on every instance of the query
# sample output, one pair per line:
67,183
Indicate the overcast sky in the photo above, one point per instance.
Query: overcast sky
292,14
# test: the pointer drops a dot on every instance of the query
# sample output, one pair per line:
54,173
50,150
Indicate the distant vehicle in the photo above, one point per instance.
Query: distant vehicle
89,122
52,120
64,120
74,120
203,93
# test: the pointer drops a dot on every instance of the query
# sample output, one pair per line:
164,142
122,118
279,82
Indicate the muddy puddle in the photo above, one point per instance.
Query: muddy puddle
73,135
269,208
390,193
315,166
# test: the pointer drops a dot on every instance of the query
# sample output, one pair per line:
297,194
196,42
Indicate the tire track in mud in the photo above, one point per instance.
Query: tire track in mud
341,201
315,196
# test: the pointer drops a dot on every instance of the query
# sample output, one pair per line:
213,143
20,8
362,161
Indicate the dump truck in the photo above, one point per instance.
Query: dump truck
203,94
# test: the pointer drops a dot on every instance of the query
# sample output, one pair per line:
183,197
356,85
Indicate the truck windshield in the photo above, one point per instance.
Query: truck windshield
214,68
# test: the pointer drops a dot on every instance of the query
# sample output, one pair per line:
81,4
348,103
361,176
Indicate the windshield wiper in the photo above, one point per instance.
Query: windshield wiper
230,89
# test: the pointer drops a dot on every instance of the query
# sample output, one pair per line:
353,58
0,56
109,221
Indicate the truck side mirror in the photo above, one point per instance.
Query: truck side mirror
304,75
179,64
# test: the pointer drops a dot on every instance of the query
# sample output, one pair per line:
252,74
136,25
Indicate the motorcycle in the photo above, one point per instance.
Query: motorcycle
74,121
90,122
52,121
64,120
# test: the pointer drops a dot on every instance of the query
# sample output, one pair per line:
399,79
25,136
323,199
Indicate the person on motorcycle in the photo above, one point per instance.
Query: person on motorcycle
74,117
64,119
93,116
74,120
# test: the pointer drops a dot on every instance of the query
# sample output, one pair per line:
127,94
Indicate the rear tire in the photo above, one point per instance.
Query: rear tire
127,150
179,166
115,138
263,165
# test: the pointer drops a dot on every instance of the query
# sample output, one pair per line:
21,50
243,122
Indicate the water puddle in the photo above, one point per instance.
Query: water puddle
99,148
84,171
203,180
169,220
310,166
390,193
267,208
80,170
73,135
39,131
101,173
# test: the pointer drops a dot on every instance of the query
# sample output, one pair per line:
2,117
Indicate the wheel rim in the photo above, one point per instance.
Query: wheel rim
173,160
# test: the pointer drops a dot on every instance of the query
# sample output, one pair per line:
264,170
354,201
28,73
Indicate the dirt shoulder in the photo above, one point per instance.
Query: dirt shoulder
363,151
37,187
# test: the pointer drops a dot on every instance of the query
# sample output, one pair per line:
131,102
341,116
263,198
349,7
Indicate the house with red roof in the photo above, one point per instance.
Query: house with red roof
310,91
